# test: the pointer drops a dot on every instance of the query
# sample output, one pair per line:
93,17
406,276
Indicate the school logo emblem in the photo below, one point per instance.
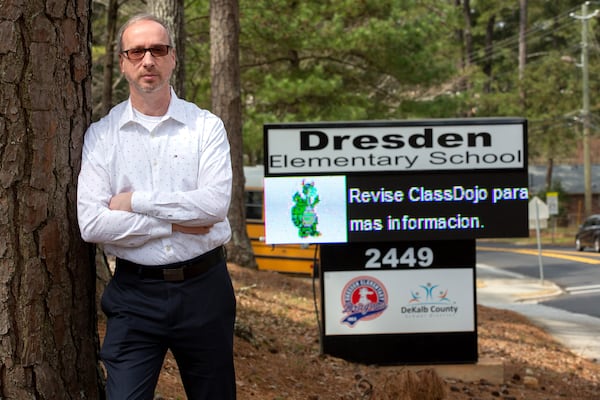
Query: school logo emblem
304,214
364,298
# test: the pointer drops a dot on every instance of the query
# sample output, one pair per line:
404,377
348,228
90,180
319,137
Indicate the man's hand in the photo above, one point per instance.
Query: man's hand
121,202
192,230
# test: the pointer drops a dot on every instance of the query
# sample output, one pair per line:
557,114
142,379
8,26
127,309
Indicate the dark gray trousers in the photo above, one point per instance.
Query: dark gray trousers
193,318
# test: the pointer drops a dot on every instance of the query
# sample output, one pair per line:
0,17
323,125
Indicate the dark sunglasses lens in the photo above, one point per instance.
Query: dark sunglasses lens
136,54
156,51
159,51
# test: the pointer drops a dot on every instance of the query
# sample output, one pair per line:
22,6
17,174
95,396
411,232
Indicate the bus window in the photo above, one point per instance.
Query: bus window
254,204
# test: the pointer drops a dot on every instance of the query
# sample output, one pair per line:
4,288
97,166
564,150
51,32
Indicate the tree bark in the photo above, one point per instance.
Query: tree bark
48,333
522,50
468,36
226,103
171,11
489,53
549,172
112,13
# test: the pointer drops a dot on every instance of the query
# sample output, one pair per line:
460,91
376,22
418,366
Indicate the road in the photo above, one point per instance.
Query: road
576,273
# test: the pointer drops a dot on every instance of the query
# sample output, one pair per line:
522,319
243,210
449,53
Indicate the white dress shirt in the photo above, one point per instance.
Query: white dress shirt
179,172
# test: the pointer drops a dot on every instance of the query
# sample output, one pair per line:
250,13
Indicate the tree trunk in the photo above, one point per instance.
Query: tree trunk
226,103
522,50
468,36
549,172
171,11
112,13
489,53
48,334
467,45
460,37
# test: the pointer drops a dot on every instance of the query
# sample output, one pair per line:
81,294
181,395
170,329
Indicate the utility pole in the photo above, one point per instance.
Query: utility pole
585,112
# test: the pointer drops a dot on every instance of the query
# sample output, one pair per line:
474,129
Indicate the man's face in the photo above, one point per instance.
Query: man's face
150,73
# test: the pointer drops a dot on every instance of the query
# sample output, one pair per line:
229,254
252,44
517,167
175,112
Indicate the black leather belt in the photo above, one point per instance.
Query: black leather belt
175,272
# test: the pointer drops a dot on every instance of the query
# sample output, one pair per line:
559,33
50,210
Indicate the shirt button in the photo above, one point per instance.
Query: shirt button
169,248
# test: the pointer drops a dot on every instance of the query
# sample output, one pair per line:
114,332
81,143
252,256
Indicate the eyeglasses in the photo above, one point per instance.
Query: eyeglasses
158,50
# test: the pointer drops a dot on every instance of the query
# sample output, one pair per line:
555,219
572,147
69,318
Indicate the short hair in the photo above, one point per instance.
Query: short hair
143,17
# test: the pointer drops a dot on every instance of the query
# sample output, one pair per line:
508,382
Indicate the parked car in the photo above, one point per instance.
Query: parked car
588,234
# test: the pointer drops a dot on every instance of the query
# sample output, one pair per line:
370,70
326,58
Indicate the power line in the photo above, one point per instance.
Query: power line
560,23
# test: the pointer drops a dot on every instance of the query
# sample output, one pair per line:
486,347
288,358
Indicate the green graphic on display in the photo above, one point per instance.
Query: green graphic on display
304,215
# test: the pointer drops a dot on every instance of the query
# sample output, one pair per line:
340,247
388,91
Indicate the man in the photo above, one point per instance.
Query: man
154,189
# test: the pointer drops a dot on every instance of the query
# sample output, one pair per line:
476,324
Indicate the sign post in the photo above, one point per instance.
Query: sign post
397,206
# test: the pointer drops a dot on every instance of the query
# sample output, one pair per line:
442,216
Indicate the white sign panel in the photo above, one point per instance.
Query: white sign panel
409,301
538,214
552,202
303,149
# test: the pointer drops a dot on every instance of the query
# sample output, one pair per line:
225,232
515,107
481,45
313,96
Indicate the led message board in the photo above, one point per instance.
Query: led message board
408,302
395,180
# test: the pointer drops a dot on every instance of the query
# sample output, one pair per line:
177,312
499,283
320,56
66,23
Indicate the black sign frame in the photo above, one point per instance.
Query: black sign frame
438,155
401,348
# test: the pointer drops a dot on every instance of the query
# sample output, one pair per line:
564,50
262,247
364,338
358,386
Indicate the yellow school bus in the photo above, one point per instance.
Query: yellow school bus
290,258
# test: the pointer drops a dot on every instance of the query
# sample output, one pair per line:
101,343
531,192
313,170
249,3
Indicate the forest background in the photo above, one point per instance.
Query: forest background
348,60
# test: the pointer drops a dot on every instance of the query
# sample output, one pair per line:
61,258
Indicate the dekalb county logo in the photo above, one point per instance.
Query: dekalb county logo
364,298
429,293
429,299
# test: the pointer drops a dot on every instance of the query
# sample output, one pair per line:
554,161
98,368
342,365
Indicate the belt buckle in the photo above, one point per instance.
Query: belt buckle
173,274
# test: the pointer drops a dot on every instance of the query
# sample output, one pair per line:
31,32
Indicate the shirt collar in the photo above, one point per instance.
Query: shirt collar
175,111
